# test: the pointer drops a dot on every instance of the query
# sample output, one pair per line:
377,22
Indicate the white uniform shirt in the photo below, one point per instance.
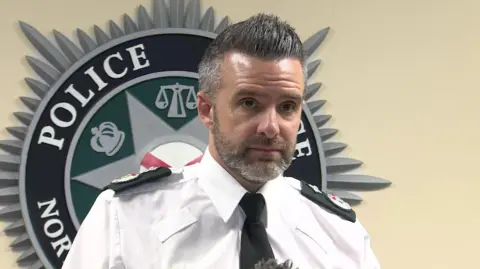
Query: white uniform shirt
192,220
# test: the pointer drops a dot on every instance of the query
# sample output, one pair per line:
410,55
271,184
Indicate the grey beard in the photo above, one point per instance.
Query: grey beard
254,173
235,160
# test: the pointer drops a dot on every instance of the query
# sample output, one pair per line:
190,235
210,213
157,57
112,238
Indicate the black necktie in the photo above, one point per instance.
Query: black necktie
254,245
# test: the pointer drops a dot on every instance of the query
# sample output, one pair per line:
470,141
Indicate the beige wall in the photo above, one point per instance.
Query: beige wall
402,81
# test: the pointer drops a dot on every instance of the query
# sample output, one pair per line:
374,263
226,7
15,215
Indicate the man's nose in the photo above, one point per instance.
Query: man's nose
269,124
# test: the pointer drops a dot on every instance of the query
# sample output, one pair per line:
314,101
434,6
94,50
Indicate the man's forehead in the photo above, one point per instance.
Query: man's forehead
240,71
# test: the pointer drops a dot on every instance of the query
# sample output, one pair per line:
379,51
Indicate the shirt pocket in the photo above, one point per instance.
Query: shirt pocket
174,223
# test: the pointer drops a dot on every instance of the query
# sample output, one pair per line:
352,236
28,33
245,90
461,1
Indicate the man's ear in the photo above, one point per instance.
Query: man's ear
205,109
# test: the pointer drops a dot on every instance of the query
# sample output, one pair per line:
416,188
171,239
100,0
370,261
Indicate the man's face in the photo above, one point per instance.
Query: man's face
256,115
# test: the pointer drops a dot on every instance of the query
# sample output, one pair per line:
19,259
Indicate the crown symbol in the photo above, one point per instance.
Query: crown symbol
107,138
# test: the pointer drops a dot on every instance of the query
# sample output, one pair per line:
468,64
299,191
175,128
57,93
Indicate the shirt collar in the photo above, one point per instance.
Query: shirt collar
224,191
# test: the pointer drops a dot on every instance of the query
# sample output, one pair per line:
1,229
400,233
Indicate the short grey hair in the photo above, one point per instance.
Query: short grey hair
264,36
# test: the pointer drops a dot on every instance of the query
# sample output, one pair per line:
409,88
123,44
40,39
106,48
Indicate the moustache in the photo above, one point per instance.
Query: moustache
256,141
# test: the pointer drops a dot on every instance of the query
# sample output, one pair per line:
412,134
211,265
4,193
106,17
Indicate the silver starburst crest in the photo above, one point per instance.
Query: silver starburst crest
61,54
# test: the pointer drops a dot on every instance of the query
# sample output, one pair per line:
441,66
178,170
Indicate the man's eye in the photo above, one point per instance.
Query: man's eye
249,103
288,107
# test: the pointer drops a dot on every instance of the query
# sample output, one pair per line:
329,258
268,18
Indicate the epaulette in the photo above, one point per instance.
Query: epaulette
133,180
328,201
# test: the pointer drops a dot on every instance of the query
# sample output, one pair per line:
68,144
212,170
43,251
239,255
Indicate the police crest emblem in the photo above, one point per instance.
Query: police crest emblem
113,104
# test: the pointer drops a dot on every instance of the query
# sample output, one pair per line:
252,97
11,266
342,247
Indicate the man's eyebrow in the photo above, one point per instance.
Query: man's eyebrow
252,93
296,97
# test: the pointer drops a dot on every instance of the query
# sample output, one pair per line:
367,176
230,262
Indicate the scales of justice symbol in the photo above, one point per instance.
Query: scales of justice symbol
179,99
176,105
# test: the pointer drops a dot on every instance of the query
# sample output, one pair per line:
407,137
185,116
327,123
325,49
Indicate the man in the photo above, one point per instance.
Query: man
233,208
